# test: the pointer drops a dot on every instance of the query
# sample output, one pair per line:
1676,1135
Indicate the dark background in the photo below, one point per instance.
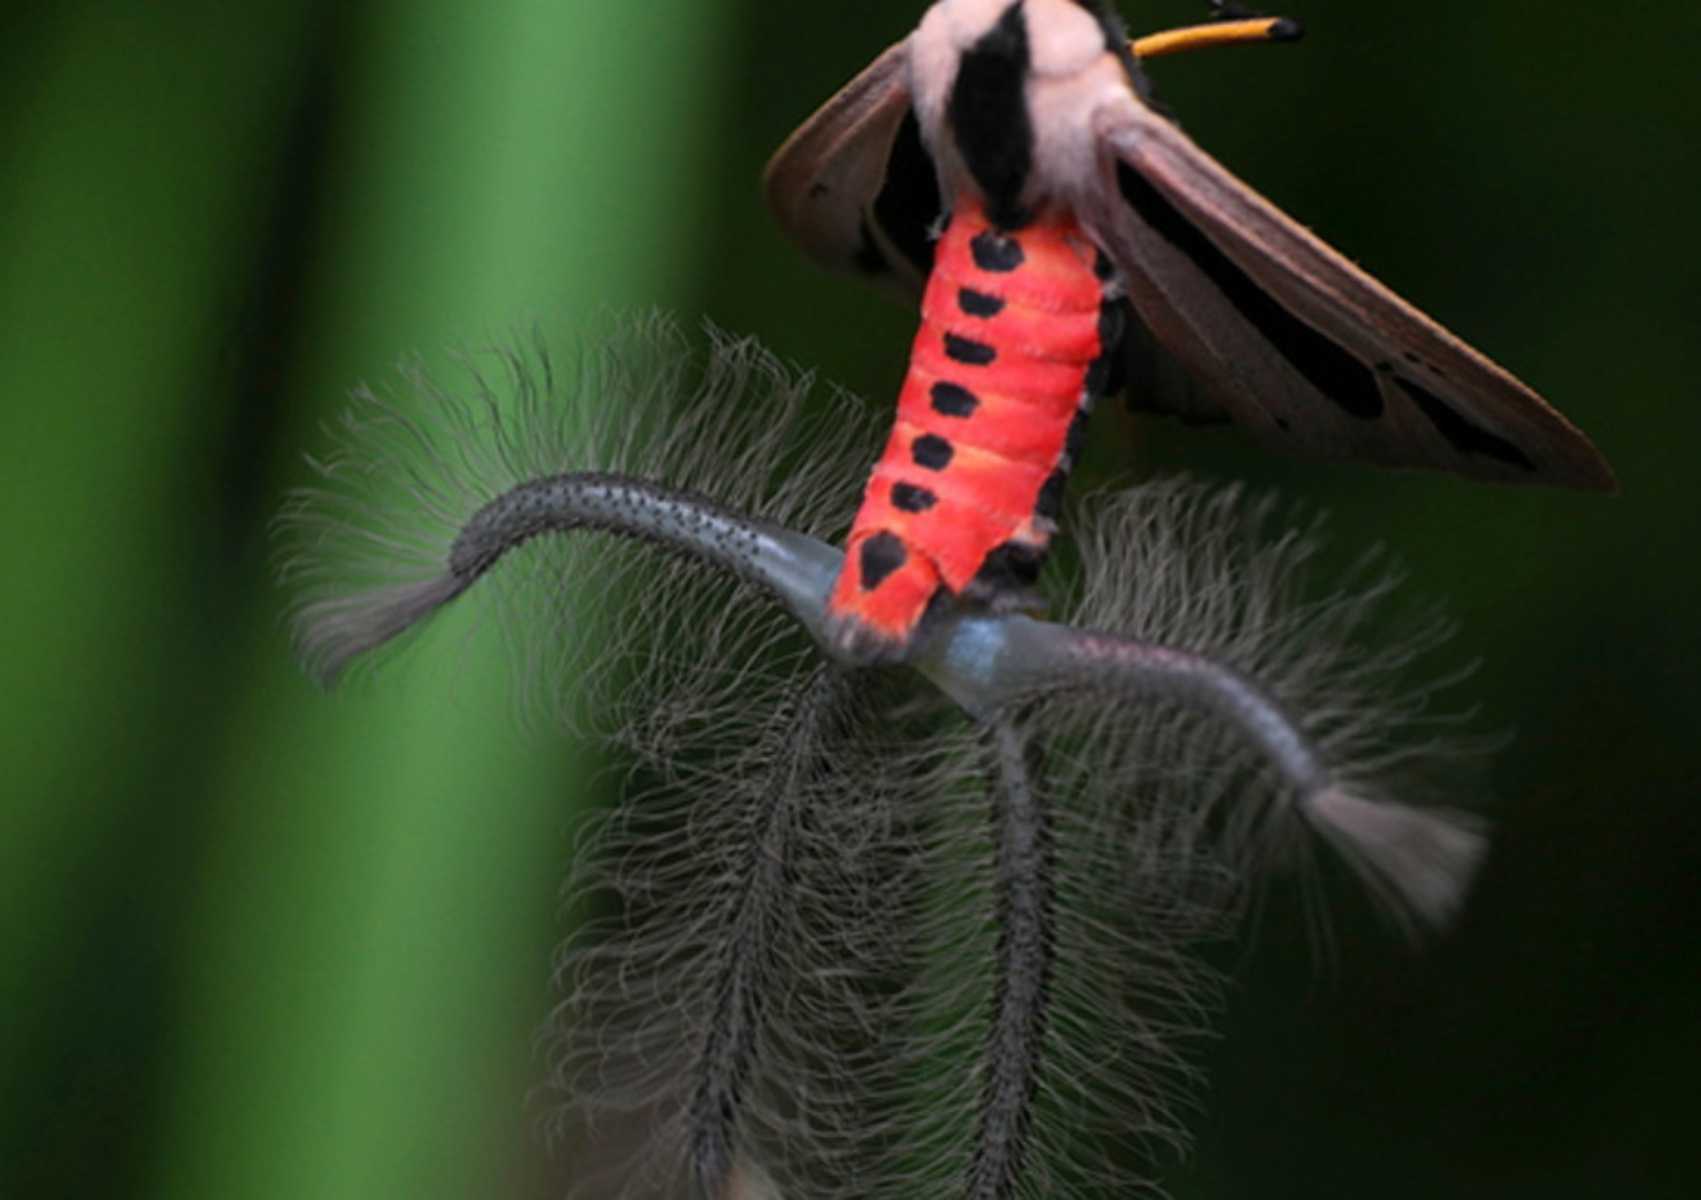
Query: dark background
256,942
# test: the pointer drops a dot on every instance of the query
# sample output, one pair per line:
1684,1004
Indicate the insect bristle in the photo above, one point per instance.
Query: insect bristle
792,929
368,547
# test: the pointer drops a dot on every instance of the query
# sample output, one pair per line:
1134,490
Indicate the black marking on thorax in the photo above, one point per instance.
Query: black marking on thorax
988,116
1328,367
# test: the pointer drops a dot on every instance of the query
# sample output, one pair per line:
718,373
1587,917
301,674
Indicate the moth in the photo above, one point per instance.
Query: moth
1008,159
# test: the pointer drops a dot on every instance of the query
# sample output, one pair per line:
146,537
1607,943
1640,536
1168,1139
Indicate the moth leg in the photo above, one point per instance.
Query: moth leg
796,569
748,960
1024,883
1418,862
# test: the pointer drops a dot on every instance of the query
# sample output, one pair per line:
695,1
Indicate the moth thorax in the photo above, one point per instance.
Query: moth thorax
1014,115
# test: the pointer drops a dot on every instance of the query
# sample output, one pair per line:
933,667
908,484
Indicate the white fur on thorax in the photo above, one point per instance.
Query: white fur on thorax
1071,76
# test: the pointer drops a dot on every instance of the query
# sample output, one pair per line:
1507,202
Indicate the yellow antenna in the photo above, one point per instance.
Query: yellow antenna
1216,33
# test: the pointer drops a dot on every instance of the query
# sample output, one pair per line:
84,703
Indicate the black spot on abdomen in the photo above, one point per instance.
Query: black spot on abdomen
931,452
996,253
968,351
979,304
907,497
880,555
953,399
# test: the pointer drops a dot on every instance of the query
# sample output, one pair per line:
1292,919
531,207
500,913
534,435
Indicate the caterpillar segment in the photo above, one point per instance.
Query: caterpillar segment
1019,324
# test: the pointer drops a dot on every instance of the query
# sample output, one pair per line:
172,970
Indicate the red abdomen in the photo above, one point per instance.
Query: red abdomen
1015,326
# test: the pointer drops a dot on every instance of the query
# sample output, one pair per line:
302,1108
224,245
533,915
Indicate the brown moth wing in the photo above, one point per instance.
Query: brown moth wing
1299,345
1242,313
825,184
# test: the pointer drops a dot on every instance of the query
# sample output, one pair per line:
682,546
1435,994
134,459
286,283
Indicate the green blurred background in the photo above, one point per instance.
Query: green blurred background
255,942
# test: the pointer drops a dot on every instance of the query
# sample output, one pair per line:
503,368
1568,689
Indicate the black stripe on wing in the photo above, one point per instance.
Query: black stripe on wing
1337,374
1333,371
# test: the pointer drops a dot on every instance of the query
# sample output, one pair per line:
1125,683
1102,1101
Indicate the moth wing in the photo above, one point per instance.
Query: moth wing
1295,342
1153,380
853,186
856,190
